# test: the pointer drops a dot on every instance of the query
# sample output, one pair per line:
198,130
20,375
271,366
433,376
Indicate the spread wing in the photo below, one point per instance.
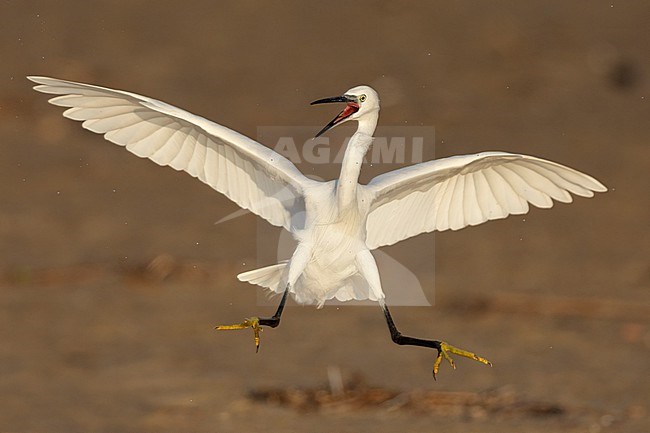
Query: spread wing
461,191
250,174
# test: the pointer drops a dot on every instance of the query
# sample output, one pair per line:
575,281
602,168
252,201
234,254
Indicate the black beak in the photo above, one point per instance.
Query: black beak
351,108
342,98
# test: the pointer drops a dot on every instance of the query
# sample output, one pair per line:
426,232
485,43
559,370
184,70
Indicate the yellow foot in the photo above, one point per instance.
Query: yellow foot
446,349
253,322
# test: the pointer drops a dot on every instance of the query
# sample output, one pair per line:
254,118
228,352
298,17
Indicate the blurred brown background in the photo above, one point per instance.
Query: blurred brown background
113,272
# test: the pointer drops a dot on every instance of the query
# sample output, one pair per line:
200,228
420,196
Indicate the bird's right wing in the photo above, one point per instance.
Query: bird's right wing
461,191
250,174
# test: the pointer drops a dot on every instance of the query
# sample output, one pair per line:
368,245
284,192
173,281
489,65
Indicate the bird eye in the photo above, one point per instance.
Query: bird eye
362,98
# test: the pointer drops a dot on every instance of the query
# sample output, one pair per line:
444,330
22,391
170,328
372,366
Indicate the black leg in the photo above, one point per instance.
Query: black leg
444,349
404,340
274,321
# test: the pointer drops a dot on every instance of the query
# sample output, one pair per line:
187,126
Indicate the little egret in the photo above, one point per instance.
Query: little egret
336,223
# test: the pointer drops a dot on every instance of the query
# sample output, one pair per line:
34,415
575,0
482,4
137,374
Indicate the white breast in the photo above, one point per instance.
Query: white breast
336,236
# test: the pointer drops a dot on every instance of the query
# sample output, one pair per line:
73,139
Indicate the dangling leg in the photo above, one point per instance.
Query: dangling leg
297,264
444,349
256,322
368,269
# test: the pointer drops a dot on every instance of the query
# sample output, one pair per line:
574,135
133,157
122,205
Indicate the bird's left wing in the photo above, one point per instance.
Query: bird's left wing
250,174
461,191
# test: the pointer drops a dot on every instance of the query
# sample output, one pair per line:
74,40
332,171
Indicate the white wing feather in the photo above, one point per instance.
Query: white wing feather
461,191
250,174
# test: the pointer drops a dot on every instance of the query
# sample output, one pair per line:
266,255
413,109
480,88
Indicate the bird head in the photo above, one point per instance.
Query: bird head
359,102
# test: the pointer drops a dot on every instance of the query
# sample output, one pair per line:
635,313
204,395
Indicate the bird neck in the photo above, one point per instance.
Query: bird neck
368,123
346,189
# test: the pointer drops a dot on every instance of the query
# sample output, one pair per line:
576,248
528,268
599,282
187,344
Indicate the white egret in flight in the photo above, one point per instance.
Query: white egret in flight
336,223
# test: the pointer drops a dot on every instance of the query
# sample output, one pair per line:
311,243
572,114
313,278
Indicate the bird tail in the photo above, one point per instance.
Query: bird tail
269,276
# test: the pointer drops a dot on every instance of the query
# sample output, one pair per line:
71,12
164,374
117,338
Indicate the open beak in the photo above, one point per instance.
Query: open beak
351,107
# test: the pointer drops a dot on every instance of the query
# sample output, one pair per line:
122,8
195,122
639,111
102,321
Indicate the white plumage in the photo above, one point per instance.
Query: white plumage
253,176
460,191
336,223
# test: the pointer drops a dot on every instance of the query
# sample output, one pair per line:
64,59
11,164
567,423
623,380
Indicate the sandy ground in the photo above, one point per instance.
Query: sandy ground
113,271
